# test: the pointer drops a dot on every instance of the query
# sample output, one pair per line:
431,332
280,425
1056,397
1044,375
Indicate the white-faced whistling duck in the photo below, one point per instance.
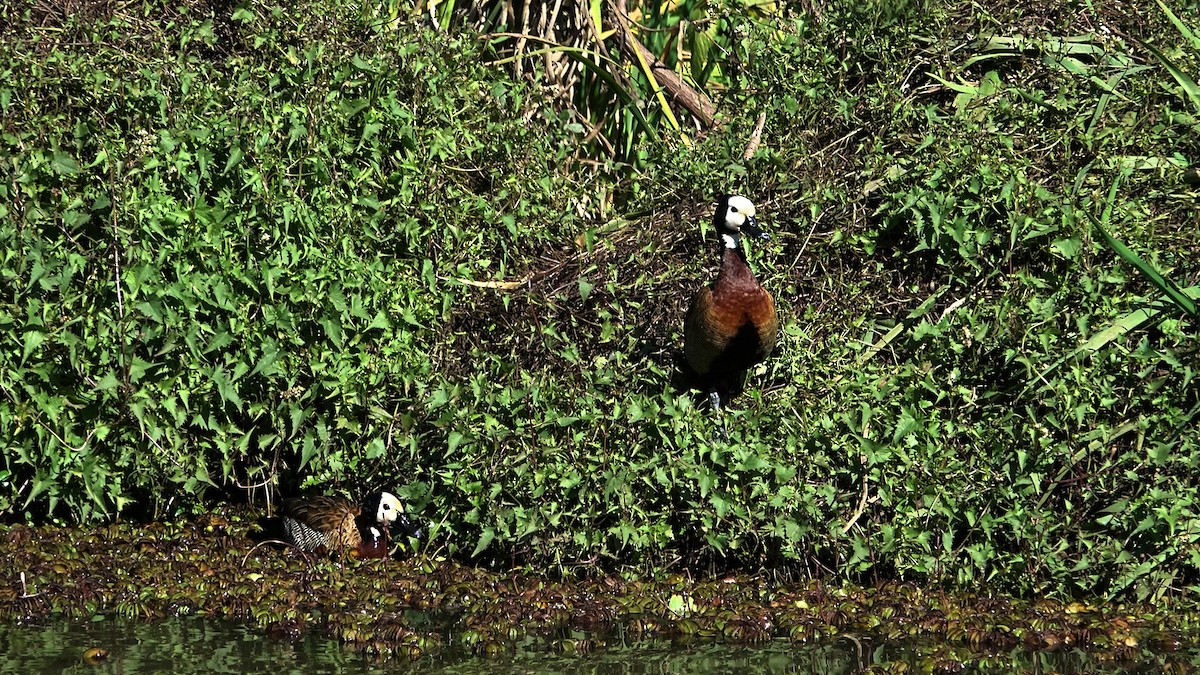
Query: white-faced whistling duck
732,324
325,524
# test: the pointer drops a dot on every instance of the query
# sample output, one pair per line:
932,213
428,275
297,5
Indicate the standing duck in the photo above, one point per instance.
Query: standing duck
336,523
732,324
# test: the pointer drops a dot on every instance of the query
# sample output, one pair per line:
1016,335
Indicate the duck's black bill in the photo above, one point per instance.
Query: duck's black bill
752,227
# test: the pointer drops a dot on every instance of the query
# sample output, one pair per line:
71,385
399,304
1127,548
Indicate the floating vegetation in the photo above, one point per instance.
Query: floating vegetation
419,606
95,655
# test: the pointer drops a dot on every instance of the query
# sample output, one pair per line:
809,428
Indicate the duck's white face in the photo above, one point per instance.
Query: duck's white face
739,217
390,508
739,212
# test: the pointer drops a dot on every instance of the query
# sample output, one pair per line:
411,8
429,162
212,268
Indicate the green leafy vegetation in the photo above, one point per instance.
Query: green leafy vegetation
255,249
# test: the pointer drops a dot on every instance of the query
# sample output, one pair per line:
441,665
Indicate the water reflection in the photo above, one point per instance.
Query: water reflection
181,646
657,659
191,645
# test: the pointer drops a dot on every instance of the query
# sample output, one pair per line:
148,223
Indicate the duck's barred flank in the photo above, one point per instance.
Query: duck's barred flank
325,523
328,522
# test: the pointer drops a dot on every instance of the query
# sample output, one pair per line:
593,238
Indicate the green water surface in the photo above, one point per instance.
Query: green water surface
194,645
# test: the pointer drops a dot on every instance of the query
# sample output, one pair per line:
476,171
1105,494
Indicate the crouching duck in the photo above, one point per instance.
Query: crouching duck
731,325
327,524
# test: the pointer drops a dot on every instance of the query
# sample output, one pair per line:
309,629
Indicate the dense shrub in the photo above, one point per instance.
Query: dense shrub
249,247
228,257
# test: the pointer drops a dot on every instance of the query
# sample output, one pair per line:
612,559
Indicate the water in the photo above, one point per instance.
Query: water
181,646
192,645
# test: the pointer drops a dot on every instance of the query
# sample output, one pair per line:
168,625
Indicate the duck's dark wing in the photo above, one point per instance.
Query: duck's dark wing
703,337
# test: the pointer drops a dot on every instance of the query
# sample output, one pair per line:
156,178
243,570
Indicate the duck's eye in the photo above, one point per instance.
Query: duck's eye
733,208
387,507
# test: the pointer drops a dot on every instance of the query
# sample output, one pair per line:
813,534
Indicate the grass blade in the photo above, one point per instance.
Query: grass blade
1176,295
659,94
1189,85
1187,32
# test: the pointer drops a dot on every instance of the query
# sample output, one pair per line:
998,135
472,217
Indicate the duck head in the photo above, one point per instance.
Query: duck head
735,215
391,515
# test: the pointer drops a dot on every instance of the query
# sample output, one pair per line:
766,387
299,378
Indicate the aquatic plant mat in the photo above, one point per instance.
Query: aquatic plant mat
423,608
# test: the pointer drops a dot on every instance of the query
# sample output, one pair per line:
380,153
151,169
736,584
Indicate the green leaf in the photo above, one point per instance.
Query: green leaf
905,425
235,158
33,340
226,388
362,64
380,321
64,164
1068,248
202,476
702,53
308,449
333,330
675,604
266,363
485,540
